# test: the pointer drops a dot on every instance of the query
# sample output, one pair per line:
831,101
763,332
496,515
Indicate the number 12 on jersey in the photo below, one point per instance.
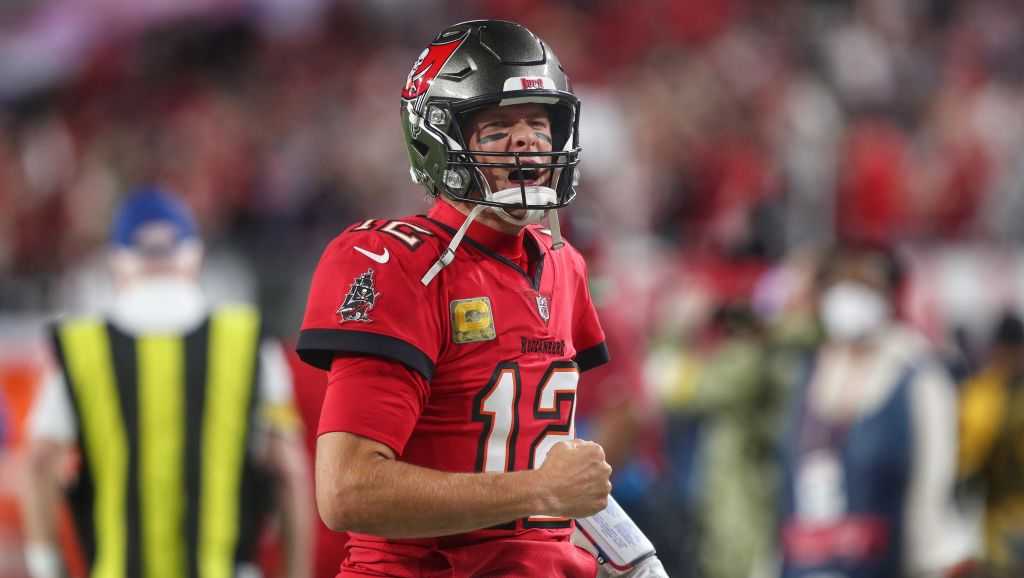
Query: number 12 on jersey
497,408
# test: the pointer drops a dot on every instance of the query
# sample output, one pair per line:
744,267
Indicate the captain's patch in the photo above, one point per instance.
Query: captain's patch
472,320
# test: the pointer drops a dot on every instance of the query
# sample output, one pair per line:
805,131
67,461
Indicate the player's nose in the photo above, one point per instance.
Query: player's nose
523,136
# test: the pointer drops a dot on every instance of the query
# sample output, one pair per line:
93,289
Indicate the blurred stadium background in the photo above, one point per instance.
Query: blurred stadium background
726,143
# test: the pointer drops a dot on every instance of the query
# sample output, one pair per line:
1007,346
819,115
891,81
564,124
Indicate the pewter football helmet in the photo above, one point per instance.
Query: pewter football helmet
475,64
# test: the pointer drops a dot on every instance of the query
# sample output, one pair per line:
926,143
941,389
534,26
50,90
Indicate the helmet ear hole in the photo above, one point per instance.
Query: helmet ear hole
457,180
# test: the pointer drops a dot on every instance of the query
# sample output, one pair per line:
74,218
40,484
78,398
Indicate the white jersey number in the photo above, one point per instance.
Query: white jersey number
497,407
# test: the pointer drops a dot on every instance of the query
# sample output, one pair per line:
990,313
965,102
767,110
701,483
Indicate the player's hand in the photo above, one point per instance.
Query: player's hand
575,479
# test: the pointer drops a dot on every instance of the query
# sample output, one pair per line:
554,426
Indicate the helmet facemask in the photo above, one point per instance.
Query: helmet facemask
463,178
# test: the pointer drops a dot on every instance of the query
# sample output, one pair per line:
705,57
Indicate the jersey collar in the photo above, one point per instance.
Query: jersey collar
509,246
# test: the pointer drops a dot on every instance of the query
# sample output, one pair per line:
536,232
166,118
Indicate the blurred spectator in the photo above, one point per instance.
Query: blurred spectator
992,445
873,191
720,371
740,404
869,460
181,418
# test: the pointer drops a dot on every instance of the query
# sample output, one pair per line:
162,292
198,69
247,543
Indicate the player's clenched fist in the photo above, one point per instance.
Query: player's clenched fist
575,479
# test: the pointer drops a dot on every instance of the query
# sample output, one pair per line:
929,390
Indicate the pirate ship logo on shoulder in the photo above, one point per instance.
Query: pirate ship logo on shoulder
359,300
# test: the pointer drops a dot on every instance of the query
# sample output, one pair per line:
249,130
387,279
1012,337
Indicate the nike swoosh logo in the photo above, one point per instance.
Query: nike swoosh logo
381,258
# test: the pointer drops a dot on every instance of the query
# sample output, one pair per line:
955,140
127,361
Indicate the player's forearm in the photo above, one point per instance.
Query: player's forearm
393,499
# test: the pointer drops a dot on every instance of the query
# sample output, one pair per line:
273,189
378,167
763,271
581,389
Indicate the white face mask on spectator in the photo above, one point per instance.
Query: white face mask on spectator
852,311
159,304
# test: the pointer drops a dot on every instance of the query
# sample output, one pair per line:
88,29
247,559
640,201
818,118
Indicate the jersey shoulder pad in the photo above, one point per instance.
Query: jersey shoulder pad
366,298
410,243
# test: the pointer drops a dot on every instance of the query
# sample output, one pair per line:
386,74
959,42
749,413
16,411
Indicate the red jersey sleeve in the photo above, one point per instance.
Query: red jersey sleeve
587,334
366,299
374,398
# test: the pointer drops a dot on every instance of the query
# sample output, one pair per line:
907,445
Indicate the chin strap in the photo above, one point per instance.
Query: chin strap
556,230
449,252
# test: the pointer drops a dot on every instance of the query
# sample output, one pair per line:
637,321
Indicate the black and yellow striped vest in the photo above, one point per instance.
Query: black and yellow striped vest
168,487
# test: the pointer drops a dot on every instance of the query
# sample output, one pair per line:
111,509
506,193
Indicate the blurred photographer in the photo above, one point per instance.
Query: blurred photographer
870,459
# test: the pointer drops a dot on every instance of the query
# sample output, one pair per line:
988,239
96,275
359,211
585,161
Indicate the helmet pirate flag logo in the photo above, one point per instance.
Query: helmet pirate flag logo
429,65
360,299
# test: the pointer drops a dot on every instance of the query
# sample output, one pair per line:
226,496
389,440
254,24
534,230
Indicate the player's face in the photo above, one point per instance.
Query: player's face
515,128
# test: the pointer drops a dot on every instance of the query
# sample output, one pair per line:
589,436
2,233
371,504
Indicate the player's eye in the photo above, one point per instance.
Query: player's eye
493,137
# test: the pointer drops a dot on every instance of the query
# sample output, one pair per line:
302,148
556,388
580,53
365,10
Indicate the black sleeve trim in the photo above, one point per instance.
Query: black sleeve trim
318,346
592,357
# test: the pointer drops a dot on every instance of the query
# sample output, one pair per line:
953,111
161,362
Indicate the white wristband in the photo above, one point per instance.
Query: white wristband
616,537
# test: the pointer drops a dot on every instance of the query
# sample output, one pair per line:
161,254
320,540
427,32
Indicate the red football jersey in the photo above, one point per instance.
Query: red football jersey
499,339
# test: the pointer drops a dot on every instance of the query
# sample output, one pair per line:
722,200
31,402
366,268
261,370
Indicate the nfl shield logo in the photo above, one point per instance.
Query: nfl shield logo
542,308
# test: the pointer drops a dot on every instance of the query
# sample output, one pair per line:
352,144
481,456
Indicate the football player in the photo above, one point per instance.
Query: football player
455,340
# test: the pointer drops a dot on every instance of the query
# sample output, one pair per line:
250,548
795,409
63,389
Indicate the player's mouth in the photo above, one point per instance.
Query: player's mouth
528,176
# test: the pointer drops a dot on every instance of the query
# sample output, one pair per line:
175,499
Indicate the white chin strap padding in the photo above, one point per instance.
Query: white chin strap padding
449,252
534,196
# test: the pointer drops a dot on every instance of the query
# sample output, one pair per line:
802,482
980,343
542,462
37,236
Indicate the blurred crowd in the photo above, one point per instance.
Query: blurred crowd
727,145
